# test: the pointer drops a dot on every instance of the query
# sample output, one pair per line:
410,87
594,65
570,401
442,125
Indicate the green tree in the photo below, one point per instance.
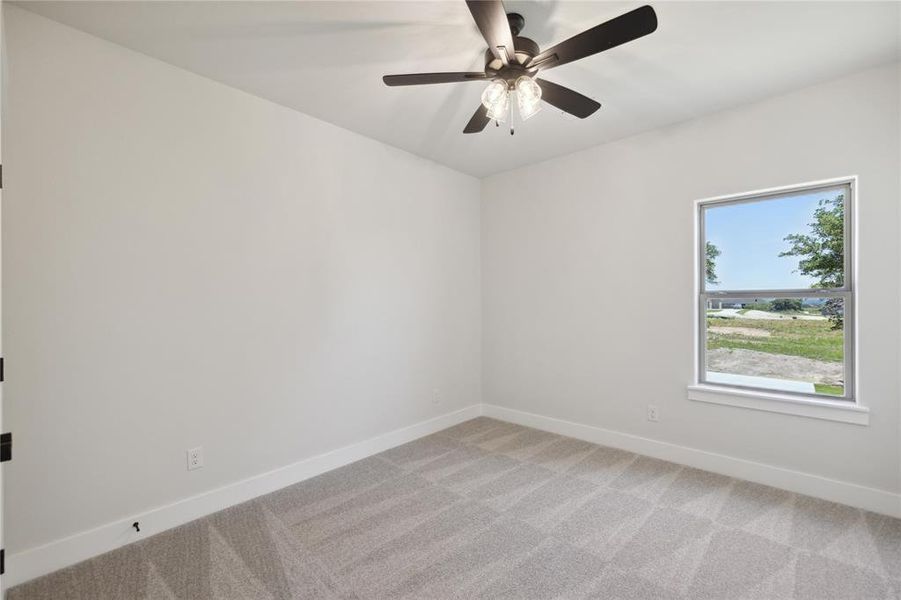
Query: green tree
786,305
822,252
711,252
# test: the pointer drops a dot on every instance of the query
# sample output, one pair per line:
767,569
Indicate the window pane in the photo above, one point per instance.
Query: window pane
788,242
786,344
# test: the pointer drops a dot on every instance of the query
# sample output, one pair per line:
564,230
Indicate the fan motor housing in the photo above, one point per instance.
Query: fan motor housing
526,49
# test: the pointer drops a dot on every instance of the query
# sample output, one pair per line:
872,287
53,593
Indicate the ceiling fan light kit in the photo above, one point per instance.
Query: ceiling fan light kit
496,99
528,97
512,63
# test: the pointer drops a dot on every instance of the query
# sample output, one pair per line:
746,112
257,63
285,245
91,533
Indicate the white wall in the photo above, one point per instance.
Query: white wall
185,264
587,276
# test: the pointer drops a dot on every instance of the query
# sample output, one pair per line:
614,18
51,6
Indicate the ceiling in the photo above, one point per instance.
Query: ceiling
326,59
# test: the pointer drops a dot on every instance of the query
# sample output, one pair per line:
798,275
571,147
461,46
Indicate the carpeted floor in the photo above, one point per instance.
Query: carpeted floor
492,510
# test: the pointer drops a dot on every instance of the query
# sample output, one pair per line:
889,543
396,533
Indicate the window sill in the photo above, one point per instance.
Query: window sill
842,411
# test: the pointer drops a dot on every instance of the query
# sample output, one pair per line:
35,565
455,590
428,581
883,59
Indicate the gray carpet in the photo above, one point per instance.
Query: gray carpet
487,509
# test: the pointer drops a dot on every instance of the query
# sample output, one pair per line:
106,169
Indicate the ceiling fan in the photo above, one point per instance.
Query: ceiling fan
512,63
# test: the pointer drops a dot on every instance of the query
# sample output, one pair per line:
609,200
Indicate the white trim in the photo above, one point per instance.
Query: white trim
843,411
778,189
31,563
872,499
58,554
850,285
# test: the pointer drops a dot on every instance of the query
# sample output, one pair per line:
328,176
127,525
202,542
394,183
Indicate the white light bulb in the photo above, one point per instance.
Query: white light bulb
495,99
528,96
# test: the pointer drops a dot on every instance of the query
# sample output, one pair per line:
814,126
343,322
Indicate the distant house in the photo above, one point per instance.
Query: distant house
714,304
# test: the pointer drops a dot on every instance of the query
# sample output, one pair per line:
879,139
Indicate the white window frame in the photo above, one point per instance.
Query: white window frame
844,408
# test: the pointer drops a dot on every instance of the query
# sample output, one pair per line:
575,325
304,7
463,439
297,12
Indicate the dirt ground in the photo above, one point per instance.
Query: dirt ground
762,364
745,331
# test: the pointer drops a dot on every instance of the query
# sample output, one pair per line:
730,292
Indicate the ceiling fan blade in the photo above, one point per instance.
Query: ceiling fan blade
567,100
622,29
478,121
491,19
427,78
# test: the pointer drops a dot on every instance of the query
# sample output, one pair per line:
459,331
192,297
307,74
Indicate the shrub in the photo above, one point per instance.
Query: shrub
786,305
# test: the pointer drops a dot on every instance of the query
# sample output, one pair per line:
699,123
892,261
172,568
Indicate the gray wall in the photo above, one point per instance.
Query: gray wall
185,264
578,252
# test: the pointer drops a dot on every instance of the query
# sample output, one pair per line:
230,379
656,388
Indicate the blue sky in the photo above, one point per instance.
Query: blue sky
751,235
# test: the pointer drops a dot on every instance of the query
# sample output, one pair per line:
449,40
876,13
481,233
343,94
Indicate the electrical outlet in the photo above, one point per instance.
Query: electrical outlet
195,458
652,413
436,396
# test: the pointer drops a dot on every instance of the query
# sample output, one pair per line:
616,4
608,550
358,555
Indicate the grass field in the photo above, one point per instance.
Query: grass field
831,390
810,339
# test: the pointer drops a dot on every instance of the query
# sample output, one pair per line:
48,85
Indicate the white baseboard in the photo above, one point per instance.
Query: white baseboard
872,499
31,563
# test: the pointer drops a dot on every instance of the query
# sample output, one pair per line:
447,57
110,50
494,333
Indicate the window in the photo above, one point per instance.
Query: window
776,296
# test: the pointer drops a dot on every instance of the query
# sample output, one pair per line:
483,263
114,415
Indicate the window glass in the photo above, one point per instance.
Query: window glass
767,244
775,297
787,344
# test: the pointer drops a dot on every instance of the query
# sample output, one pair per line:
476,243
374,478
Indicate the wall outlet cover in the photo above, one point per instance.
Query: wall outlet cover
195,458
